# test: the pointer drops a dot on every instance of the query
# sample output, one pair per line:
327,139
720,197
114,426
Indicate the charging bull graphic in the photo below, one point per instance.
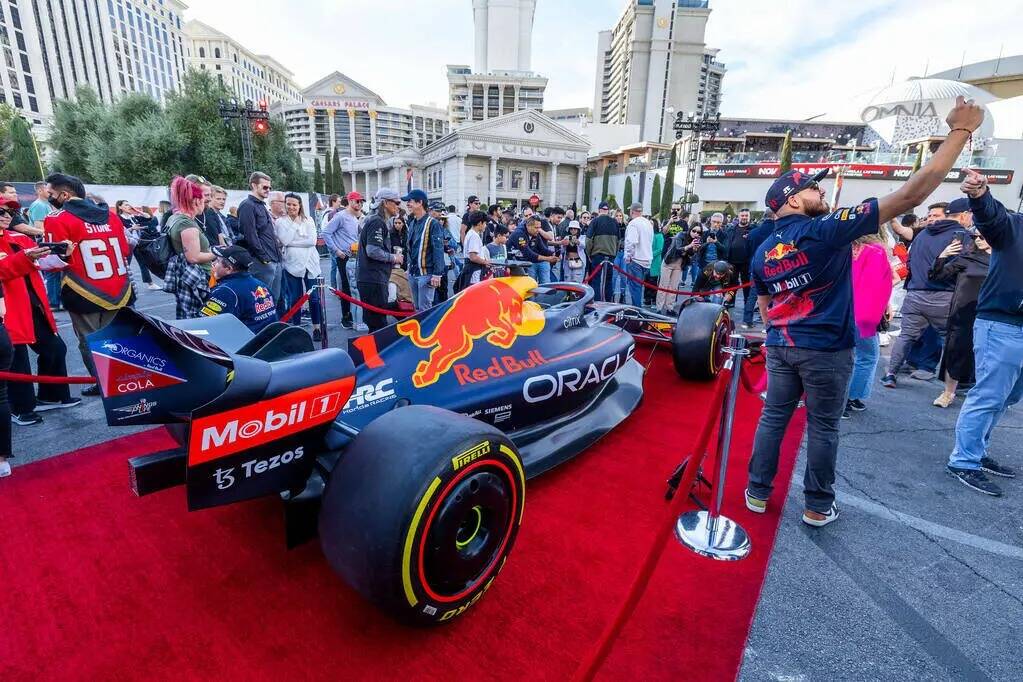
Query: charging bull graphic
495,310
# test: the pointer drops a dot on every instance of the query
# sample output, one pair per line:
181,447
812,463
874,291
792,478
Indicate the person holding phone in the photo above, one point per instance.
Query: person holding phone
138,225
927,300
29,323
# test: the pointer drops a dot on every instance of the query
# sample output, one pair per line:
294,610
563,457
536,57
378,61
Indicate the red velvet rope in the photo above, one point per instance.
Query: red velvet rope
39,379
591,664
372,308
295,308
648,285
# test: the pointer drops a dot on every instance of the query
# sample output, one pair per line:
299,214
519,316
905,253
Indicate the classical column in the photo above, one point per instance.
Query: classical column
399,175
331,143
500,100
373,132
459,181
553,201
579,181
351,132
366,173
486,101
516,98
493,181
380,178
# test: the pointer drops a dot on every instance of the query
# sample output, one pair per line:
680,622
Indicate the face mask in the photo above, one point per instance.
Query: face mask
55,202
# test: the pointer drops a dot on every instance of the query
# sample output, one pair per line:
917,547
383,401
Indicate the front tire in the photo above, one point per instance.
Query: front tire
701,334
421,512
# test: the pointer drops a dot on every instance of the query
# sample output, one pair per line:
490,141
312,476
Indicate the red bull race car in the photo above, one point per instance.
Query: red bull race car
408,453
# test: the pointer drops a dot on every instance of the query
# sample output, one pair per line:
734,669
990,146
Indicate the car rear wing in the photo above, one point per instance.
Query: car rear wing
250,421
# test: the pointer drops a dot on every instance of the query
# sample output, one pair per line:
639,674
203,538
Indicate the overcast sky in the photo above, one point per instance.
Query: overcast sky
785,58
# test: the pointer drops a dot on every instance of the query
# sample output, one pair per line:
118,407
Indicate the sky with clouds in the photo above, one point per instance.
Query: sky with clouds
785,58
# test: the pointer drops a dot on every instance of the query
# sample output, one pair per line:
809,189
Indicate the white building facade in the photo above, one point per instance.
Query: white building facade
501,80
655,59
250,76
50,47
507,160
337,112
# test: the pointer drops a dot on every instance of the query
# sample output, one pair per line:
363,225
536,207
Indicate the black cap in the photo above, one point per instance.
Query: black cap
472,199
238,256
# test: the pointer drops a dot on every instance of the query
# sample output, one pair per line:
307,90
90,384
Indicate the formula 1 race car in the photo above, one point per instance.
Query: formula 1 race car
408,454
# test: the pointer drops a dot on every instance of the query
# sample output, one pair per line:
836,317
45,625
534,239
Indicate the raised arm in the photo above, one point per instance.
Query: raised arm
964,118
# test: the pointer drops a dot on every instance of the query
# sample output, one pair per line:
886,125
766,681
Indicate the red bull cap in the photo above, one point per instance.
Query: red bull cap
791,183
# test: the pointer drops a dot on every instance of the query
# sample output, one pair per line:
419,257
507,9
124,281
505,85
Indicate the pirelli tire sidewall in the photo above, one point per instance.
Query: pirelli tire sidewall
422,511
700,334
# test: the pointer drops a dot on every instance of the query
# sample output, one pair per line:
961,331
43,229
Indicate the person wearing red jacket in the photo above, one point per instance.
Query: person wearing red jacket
96,283
30,324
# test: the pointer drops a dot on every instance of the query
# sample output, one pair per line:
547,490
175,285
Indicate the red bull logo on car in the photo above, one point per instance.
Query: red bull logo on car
495,310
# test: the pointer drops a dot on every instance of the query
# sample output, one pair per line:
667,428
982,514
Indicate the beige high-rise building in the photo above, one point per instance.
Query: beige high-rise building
50,47
653,60
249,75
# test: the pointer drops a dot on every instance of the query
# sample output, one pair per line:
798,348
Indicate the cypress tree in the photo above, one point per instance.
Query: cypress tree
627,194
785,159
328,176
338,184
586,191
668,195
919,159
23,163
317,176
341,182
655,199
607,181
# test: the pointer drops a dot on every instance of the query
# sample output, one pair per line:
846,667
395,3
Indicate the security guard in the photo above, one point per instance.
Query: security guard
238,292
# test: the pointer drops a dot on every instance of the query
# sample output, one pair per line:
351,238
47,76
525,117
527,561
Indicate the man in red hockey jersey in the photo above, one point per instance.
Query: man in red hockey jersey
96,283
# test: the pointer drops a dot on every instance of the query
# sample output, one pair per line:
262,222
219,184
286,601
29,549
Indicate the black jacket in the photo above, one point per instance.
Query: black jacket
602,237
1001,297
375,257
924,250
257,228
733,245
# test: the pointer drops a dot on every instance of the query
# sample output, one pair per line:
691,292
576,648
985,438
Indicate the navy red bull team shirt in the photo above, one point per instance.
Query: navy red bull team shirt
805,266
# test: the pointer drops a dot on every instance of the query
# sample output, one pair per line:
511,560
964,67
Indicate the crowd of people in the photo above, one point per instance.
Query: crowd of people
827,284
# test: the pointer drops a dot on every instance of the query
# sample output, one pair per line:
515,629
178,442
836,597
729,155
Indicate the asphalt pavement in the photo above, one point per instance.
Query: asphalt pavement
920,578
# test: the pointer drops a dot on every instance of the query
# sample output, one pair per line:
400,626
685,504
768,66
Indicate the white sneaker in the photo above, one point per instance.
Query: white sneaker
819,520
154,286
361,327
5,469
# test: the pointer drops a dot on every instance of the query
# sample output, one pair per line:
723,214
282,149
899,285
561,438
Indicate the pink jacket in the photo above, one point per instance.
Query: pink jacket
872,288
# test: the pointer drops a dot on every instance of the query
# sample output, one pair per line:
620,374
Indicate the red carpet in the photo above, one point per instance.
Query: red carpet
98,584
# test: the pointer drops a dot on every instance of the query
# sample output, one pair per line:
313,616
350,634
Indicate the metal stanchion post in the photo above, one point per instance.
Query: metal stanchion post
708,533
321,285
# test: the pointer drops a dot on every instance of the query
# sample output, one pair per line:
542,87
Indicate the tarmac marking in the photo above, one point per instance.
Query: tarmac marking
958,664
931,528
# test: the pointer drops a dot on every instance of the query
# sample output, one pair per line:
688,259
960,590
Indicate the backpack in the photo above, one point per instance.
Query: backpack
156,253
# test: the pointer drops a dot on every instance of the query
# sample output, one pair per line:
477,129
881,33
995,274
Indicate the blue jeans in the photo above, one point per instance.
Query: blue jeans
824,377
541,272
53,278
294,288
617,281
422,292
333,272
602,282
867,352
636,288
694,272
998,349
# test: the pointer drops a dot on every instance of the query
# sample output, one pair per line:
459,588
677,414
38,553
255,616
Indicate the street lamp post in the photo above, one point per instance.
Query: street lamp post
696,126
251,120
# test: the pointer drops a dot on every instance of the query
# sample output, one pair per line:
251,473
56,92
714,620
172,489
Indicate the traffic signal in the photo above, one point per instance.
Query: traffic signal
262,105
261,126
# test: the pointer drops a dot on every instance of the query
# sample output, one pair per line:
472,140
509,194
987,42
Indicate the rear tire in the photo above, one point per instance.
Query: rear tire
421,512
701,334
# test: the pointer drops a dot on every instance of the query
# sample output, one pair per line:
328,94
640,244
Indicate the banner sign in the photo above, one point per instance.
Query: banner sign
854,171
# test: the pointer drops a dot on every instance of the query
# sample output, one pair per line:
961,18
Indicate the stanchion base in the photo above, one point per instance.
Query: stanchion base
729,542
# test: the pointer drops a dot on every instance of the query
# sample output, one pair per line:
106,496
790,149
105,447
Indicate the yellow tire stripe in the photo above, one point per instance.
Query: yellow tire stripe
522,476
406,557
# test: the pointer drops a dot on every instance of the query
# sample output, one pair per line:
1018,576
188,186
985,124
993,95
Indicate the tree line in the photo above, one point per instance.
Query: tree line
138,141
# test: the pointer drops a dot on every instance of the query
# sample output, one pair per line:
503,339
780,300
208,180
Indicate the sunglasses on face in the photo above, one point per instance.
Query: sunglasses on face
266,187
9,213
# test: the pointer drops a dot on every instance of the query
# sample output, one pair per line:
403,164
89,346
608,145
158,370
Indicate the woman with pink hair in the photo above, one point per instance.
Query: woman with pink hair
872,288
188,273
